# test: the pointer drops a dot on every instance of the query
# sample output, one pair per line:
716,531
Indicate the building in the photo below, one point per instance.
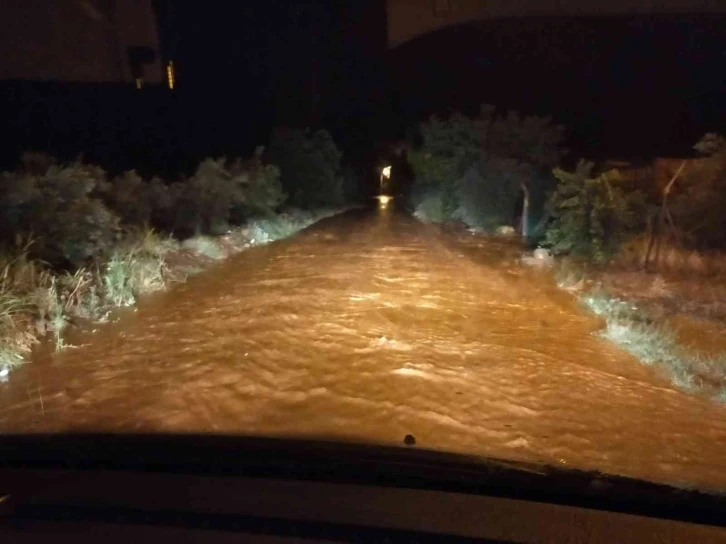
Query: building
89,41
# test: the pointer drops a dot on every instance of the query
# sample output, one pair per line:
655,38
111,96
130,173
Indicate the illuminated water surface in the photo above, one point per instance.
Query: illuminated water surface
367,327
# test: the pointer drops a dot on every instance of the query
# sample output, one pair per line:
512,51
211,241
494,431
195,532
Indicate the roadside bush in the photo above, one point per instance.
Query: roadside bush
481,167
205,199
128,197
262,193
135,268
310,168
223,192
590,217
430,206
286,224
448,149
488,192
58,208
204,245
634,330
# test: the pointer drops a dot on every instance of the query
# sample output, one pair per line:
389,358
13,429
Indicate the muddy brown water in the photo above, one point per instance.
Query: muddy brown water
367,327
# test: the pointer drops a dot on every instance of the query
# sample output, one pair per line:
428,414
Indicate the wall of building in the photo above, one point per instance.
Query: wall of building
76,40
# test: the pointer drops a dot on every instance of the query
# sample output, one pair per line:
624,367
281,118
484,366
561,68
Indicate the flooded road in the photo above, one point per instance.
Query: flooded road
367,327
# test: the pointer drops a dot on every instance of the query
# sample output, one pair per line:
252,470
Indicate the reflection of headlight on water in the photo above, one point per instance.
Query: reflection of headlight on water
383,200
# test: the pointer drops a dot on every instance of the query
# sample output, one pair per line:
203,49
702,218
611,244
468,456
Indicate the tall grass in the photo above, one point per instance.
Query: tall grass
21,280
655,344
36,301
670,257
137,267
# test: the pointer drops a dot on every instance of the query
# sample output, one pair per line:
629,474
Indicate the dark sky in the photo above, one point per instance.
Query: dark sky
643,85
279,62
622,85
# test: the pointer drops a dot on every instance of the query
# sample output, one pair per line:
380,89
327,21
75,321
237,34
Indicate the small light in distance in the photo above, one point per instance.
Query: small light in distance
383,200
386,172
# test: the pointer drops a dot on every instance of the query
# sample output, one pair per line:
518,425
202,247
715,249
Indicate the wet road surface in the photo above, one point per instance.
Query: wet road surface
370,326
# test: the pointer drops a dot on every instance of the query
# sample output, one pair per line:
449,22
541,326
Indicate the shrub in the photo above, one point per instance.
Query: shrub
488,192
132,271
533,139
223,192
431,206
205,200
69,224
483,165
449,148
128,196
310,167
262,191
590,217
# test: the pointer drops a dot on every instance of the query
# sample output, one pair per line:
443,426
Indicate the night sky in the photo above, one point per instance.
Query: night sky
624,86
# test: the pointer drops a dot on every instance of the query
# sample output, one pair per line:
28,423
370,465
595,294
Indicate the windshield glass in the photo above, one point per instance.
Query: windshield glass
485,230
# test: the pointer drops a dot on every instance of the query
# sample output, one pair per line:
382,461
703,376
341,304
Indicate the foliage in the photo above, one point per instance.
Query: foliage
310,168
488,192
262,192
269,229
431,206
127,196
655,344
58,208
74,243
531,140
699,196
129,274
590,216
479,166
204,245
449,147
221,192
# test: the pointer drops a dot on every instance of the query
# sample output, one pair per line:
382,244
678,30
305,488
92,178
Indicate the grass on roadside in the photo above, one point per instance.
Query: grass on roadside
655,344
137,267
36,301
264,230
204,245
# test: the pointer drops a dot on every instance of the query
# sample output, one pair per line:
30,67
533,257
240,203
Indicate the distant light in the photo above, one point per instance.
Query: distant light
383,200
170,74
386,172
139,82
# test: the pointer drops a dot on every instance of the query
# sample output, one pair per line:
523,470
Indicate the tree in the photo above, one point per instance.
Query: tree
591,216
479,167
309,164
